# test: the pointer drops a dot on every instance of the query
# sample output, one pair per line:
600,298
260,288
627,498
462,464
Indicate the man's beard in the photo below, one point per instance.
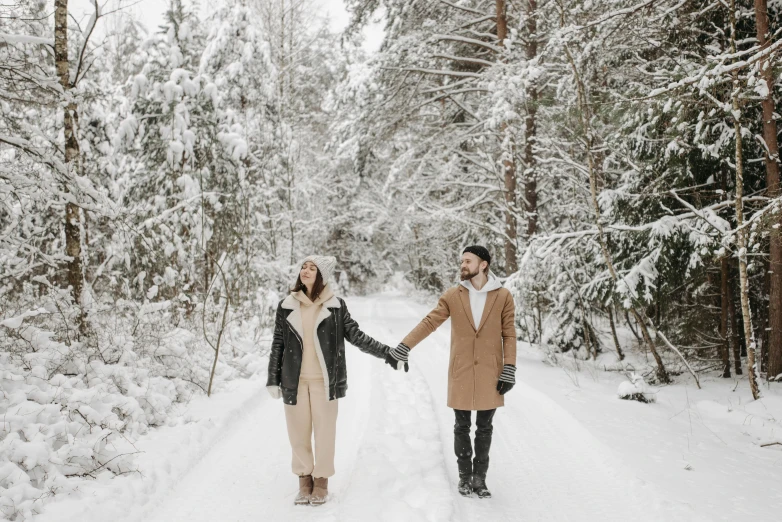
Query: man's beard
465,275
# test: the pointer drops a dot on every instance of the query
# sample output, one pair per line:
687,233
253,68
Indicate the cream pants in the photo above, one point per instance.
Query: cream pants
313,412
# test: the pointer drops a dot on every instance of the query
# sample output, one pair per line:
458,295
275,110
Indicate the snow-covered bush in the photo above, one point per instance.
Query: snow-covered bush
636,389
553,307
71,410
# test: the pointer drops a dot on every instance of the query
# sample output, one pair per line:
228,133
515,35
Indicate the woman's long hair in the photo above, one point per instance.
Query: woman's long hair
317,287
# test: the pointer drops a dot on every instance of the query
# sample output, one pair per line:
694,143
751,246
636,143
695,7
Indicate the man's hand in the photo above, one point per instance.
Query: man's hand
274,391
397,357
507,379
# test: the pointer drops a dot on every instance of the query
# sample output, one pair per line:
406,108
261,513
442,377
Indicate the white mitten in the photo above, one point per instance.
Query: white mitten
274,391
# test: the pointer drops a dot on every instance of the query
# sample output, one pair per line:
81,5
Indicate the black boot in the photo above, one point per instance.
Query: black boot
478,484
462,446
465,485
483,435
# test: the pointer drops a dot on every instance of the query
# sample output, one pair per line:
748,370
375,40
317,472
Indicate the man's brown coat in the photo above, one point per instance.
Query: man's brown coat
477,352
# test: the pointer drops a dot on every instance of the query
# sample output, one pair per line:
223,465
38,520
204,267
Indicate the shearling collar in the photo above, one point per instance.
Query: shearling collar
292,303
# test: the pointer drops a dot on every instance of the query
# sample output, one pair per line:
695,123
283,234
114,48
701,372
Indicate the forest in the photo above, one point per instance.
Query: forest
158,187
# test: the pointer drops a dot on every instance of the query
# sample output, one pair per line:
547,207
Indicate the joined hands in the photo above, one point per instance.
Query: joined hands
397,357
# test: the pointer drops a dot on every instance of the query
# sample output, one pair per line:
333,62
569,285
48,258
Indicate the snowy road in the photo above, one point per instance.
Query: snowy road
394,453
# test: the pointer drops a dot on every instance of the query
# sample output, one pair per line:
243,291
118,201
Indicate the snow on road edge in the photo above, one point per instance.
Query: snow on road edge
167,454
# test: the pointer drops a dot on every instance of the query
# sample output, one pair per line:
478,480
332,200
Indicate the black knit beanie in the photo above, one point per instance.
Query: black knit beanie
479,251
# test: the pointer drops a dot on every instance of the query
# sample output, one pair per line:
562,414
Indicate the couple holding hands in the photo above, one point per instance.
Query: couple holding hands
307,366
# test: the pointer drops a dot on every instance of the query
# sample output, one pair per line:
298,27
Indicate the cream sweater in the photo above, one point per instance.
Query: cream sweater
310,364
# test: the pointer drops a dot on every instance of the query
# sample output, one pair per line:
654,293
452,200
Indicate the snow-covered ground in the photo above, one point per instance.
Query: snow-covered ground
565,448
702,448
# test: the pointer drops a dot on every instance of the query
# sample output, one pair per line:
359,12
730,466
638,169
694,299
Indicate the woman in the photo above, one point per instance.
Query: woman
307,370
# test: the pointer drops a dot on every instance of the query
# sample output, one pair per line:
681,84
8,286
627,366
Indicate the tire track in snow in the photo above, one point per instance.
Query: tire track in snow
401,474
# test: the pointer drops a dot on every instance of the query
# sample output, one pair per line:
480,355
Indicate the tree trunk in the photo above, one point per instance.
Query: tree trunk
732,332
282,49
763,316
630,326
591,352
531,125
618,346
733,321
774,344
509,166
725,346
70,122
746,312
662,373
726,296
291,70
511,253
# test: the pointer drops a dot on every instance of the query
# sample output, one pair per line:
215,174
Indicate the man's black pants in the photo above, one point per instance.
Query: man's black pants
463,446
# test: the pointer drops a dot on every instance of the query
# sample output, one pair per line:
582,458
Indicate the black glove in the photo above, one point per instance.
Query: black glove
397,357
507,379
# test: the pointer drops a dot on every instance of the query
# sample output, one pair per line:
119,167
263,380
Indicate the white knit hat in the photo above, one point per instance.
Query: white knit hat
325,264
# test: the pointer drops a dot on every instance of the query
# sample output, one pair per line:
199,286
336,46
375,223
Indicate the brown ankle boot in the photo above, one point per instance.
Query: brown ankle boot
320,492
305,491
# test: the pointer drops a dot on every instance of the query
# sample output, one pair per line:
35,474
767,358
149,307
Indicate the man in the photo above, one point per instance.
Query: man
483,359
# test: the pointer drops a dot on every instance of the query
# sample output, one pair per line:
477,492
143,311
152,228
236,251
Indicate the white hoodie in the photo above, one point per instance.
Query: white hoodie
478,297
